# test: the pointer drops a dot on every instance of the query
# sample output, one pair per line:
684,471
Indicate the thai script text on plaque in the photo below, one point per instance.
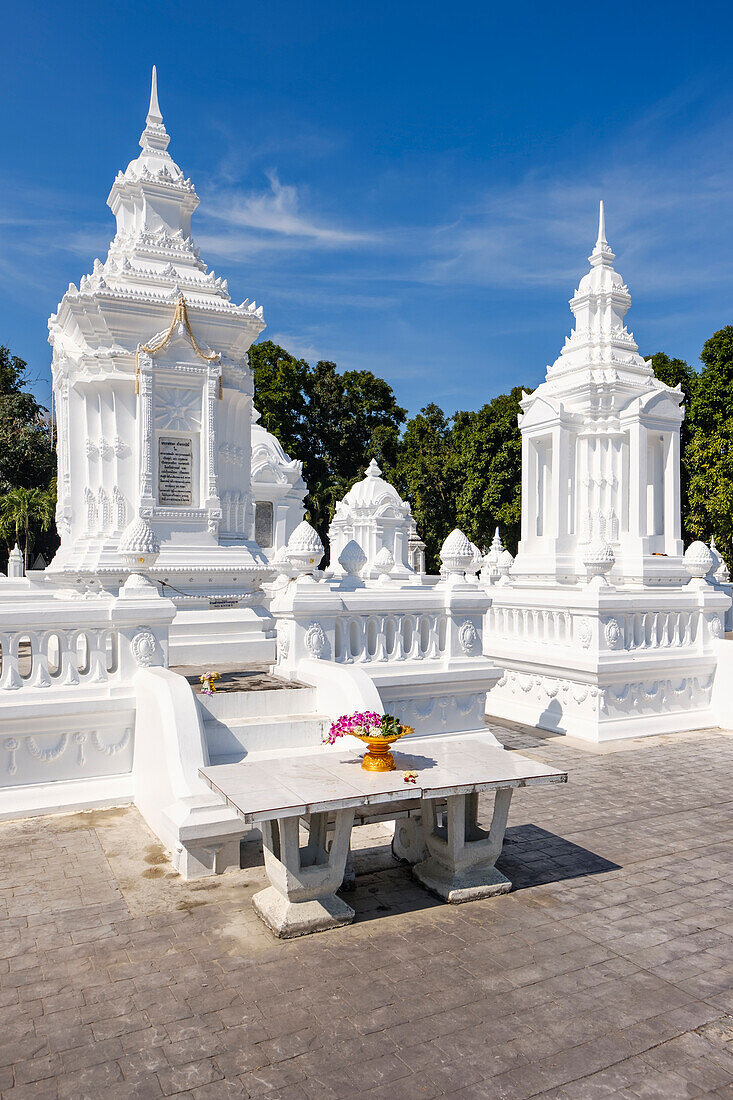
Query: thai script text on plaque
175,470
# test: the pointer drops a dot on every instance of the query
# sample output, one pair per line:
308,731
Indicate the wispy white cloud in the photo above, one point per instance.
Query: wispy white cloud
273,218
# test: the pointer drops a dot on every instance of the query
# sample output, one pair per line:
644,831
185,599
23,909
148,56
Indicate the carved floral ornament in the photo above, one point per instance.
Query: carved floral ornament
143,647
467,636
585,633
315,640
614,635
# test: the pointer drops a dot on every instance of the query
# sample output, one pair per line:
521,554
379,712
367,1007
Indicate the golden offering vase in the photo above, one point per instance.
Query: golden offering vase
378,758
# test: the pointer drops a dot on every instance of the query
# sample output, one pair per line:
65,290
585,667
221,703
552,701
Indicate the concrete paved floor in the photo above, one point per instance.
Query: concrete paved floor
607,972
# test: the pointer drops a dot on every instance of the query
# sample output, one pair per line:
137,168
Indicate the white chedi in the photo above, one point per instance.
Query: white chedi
139,546
374,515
489,565
305,549
598,560
477,560
718,570
698,560
504,565
352,560
456,553
16,568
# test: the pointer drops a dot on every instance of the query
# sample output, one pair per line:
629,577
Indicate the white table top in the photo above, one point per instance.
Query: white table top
313,782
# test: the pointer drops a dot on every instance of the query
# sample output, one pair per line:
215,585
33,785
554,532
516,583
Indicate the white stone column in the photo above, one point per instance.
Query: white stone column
672,522
145,421
637,481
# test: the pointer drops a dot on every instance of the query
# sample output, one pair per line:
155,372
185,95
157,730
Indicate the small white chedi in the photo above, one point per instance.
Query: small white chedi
598,630
373,515
155,418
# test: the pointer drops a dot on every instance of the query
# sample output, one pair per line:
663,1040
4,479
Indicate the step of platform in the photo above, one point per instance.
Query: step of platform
232,741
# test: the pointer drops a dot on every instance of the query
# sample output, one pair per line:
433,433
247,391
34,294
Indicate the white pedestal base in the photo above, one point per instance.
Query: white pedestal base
288,919
460,865
302,898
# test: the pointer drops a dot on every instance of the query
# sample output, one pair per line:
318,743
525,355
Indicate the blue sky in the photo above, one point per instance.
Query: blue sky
408,188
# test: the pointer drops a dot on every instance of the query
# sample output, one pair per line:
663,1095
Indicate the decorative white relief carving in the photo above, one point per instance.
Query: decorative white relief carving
46,756
91,510
143,647
315,639
120,507
177,409
584,632
614,636
11,744
716,626
467,636
283,641
115,747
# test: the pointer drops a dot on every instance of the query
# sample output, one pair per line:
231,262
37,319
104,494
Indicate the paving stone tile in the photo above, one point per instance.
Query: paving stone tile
597,976
185,1077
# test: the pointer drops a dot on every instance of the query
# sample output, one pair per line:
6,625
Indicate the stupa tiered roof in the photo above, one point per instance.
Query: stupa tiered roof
152,260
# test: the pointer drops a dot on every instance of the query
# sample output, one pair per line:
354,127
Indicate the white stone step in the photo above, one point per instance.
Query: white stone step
228,742
228,706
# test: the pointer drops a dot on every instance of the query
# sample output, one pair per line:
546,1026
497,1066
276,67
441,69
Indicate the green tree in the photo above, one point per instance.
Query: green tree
25,511
27,453
428,474
676,372
490,447
27,457
335,423
709,451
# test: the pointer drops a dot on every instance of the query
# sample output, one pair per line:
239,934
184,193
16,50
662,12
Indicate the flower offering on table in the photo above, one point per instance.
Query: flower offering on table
377,731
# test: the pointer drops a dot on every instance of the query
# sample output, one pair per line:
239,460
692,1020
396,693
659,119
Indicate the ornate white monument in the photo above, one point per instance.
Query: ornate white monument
598,630
373,515
155,419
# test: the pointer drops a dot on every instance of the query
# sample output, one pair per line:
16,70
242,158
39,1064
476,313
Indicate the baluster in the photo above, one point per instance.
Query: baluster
11,679
69,657
97,659
39,655
381,652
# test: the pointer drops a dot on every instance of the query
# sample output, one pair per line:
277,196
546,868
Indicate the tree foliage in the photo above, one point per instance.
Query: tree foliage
27,462
428,475
26,513
336,423
676,372
490,446
709,452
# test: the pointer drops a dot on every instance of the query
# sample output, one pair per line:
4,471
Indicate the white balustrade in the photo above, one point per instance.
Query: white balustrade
60,656
643,630
361,639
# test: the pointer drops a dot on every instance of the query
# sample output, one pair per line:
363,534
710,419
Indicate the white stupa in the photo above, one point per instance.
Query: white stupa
597,623
154,401
601,447
373,515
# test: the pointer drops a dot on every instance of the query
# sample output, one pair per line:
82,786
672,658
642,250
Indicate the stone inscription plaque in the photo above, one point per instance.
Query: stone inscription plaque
175,470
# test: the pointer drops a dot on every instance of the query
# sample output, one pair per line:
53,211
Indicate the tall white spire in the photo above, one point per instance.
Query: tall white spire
600,340
601,254
154,114
154,136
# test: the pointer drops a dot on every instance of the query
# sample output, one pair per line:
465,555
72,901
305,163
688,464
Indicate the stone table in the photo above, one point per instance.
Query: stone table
329,786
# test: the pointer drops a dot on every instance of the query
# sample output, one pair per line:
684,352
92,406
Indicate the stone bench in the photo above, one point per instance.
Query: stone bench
329,787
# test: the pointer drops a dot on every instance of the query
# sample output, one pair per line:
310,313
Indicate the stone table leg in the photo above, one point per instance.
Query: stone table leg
302,897
460,863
